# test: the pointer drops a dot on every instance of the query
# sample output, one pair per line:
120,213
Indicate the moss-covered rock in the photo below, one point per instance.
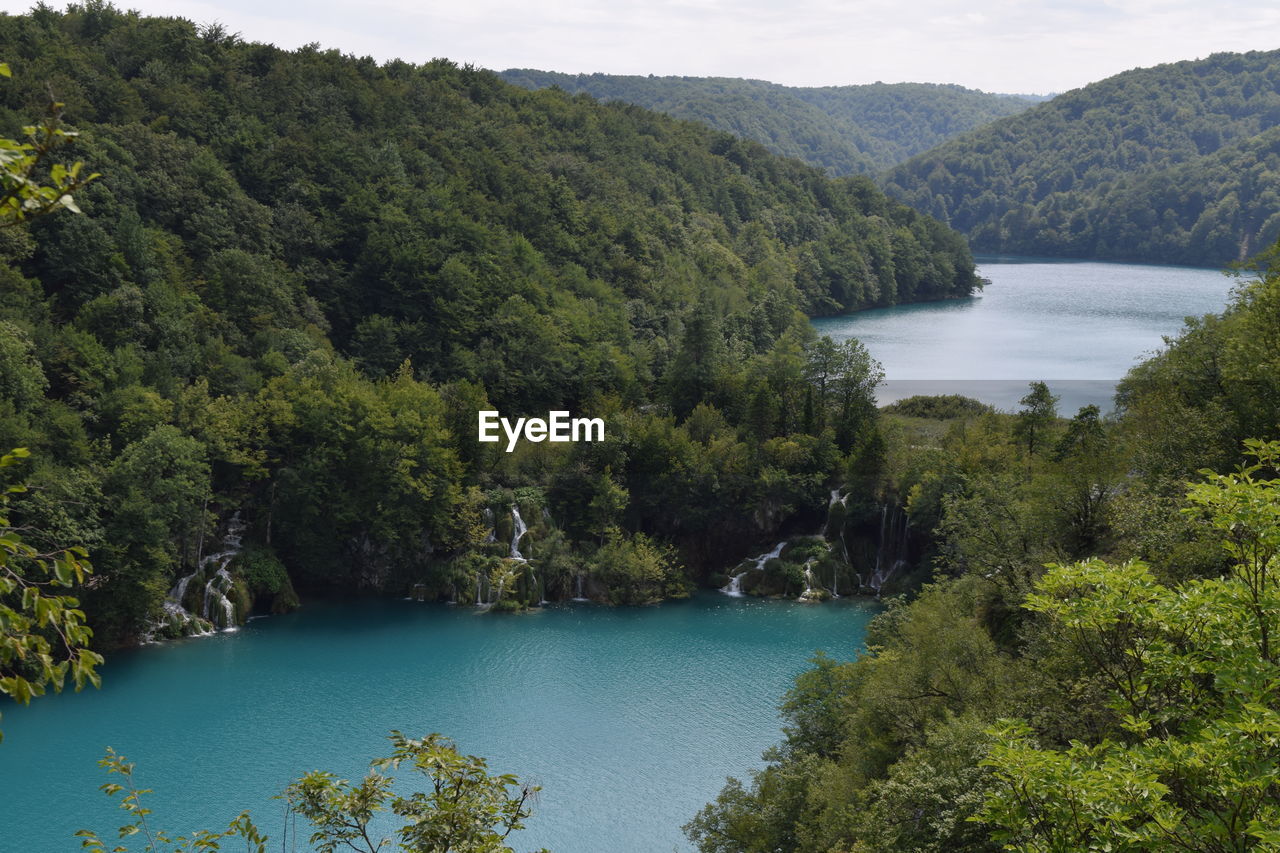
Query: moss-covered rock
261,583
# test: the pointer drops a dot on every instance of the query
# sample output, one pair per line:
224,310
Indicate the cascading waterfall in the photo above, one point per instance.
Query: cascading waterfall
835,569
179,592
492,536
734,586
176,614
215,593
809,593
844,546
518,529
891,553
579,596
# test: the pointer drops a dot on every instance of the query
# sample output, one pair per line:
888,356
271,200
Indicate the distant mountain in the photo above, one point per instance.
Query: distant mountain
1178,163
843,129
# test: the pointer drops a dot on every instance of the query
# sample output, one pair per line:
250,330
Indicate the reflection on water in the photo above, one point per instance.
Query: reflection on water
1079,325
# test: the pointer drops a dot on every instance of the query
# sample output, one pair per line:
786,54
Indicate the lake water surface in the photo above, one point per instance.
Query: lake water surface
1079,325
630,718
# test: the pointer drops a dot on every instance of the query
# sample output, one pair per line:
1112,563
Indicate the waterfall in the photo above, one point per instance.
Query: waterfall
579,596
734,586
891,553
176,614
492,535
535,590
479,603
808,594
215,593
518,529
179,592
822,534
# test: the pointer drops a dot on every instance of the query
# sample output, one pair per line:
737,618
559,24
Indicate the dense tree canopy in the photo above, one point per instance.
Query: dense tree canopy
842,129
1172,164
1092,666
301,275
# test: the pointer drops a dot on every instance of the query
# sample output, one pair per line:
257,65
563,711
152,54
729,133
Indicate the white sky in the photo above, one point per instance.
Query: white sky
996,45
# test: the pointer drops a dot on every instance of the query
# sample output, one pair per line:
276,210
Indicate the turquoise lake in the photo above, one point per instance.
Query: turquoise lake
1078,325
630,718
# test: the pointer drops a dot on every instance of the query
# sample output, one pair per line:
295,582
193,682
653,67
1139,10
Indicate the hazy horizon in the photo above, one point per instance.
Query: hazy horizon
992,45
776,83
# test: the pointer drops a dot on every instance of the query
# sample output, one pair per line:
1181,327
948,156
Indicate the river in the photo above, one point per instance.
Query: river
1078,325
630,718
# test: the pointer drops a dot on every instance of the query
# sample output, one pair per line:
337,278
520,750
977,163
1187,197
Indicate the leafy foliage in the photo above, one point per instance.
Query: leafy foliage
155,840
304,273
1172,164
25,166
1193,680
940,407
1122,699
465,809
842,129
43,636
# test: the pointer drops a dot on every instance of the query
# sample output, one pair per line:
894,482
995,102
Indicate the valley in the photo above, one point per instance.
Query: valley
835,534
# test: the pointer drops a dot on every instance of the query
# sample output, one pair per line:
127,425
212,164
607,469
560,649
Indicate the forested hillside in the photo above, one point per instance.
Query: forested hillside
301,274
1091,666
842,129
1172,164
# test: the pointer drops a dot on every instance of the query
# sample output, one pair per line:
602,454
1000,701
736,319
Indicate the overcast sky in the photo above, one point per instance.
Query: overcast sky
996,45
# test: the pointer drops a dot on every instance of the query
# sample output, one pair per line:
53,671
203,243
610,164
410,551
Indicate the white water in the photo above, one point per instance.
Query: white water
822,534
175,613
809,591
215,593
891,555
734,586
518,529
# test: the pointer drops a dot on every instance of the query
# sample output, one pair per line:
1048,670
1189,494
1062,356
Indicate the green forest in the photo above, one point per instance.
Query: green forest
252,299
1091,663
843,129
1175,164
301,274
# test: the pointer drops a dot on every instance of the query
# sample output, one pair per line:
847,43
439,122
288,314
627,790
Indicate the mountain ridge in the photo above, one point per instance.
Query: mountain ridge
1172,163
862,128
